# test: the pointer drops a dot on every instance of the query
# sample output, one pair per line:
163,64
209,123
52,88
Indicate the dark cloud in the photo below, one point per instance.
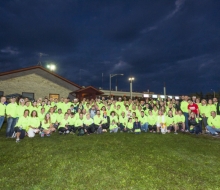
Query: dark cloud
174,41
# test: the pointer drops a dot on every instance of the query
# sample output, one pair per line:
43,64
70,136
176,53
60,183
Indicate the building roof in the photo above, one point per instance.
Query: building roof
87,88
42,68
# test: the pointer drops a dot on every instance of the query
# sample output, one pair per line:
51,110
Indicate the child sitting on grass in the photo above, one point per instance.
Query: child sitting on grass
113,127
137,126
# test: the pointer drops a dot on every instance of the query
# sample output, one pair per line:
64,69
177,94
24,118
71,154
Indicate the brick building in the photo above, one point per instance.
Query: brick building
35,82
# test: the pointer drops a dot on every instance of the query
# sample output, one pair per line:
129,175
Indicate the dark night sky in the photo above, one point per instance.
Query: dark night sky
172,41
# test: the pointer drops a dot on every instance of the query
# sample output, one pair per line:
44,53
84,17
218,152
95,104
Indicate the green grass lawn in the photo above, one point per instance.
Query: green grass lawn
110,161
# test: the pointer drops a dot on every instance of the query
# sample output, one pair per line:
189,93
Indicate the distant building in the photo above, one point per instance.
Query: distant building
35,82
123,93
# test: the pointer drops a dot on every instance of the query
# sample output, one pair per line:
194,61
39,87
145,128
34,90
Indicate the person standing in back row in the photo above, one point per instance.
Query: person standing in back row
2,110
11,112
184,108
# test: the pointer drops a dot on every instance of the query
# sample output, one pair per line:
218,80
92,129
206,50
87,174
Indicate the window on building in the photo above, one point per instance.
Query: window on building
29,95
54,96
1,93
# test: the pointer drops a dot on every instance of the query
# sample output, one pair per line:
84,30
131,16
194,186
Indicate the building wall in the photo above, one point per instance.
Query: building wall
121,93
33,83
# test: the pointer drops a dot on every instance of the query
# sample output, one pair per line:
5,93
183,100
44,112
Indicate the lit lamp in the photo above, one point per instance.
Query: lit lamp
51,67
131,79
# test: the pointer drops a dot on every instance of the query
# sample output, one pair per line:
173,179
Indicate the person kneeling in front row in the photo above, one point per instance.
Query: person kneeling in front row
113,127
64,125
213,124
47,126
21,126
137,126
34,124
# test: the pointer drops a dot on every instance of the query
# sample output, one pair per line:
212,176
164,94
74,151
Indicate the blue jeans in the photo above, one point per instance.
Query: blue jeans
196,129
115,130
121,127
212,130
186,120
2,118
144,127
11,122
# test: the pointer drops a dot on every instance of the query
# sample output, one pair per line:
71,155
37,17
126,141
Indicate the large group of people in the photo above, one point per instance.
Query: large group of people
46,116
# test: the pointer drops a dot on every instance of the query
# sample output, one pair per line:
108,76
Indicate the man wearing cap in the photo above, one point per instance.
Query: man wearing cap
11,112
2,110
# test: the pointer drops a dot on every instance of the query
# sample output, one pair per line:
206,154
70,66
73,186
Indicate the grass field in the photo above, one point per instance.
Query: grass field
110,161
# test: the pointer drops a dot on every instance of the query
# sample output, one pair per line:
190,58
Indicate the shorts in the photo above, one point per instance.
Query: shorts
20,130
31,132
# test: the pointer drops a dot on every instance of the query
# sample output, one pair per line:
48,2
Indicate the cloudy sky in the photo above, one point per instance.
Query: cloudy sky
171,41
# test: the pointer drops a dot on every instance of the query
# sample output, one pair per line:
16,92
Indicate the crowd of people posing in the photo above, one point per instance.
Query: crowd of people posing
46,116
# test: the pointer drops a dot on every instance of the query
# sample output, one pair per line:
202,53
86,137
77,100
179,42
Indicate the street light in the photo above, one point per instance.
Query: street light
213,92
110,77
51,67
131,79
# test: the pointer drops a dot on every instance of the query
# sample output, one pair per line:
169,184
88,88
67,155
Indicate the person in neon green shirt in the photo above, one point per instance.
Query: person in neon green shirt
194,126
204,112
184,107
129,126
11,112
22,125
88,124
53,118
72,121
152,120
97,120
213,124
20,108
170,122
63,128
155,110
113,127
211,106
180,120
143,121
2,110
34,124
28,106
123,121
41,114
79,123
59,116
161,122
114,117
105,122
47,126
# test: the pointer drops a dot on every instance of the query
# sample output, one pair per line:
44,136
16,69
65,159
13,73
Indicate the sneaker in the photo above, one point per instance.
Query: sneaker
17,140
175,133
48,135
186,131
13,135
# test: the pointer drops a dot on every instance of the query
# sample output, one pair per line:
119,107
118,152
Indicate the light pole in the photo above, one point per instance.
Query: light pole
131,79
51,67
213,92
110,77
